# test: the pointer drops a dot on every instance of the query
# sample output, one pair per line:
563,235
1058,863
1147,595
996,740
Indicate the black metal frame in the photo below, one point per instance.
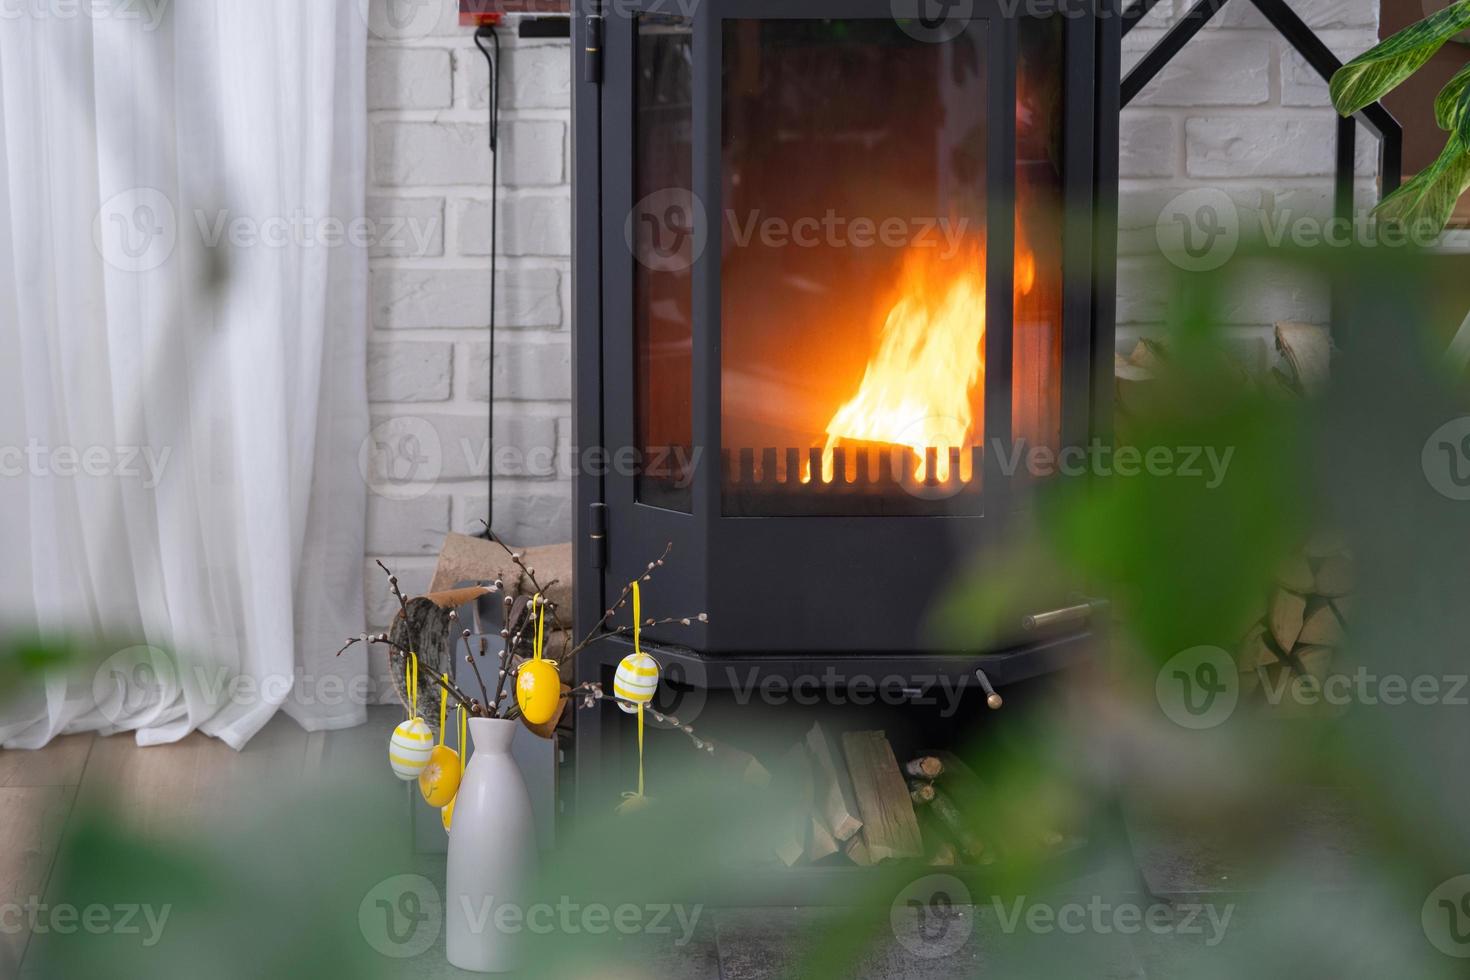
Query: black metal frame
1296,33
717,557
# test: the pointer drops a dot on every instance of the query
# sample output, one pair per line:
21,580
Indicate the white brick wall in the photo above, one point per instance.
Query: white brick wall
429,172
1239,111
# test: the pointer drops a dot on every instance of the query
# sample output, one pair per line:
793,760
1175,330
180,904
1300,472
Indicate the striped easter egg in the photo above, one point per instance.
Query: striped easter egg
636,680
409,748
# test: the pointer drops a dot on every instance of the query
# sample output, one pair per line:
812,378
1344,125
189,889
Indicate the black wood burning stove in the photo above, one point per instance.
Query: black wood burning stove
833,264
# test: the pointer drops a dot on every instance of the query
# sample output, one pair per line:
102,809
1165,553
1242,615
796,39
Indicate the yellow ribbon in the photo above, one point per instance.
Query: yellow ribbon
464,749
411,681
443,708
540,605
638,652
637,617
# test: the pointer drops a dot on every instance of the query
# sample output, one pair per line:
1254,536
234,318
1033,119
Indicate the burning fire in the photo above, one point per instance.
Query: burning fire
917,388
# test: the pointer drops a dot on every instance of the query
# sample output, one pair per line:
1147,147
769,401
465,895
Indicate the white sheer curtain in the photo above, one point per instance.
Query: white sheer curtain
182,332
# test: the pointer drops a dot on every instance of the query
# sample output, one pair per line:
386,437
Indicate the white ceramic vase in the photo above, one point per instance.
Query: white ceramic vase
492,848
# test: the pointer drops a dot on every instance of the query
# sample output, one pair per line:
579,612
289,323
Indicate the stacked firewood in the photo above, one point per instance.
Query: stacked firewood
1305,351
848,800
1307,609
1305,619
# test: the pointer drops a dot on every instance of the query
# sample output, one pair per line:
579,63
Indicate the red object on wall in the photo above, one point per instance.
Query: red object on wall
474,13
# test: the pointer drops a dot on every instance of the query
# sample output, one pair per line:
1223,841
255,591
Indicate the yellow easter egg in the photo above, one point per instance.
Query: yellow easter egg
440,779
636,680
538,690
632,803
409,748
446,815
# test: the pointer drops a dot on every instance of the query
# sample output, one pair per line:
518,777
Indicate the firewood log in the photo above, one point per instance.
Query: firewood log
793,781
921,791
954,823
924,767
961,782
822,843
1335,576
1316,661
943,855
856,849
1256,655
1320,626
890,828
833,786
1306,350
1149,354
1285,620
739,765
1296,574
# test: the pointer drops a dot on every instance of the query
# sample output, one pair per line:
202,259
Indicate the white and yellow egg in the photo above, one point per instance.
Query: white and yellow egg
636,680
410,748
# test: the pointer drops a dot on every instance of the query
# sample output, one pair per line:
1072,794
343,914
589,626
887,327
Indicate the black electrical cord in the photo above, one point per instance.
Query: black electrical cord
492,61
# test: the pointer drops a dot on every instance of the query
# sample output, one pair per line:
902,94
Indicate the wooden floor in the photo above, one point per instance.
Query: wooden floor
199,788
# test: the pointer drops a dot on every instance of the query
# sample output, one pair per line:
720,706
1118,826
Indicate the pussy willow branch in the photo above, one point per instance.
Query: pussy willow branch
469,656
397,592
520,616
520,562
600,629
591,691
367,639
468,702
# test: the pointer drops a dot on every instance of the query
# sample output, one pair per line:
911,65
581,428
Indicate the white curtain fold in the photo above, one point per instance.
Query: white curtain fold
182,363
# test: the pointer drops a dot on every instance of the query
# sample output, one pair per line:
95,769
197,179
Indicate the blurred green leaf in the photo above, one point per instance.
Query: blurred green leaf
1381,68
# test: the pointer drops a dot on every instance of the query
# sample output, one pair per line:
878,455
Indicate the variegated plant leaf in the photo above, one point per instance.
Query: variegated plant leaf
1378,70
1429,197
1451,104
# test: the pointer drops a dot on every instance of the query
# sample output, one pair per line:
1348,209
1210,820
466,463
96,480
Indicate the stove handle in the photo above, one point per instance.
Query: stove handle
1065,616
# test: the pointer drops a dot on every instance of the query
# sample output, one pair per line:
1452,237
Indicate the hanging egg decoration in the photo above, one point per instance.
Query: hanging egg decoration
538,690
410,748
635,681
440,779
446,815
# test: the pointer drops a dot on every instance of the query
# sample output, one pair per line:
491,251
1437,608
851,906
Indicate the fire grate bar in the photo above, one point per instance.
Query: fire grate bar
855,469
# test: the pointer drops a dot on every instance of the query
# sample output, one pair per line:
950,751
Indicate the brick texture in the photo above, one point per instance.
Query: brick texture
428,371
1238,112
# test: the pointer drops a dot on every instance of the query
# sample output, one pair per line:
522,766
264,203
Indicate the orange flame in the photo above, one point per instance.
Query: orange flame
917,389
